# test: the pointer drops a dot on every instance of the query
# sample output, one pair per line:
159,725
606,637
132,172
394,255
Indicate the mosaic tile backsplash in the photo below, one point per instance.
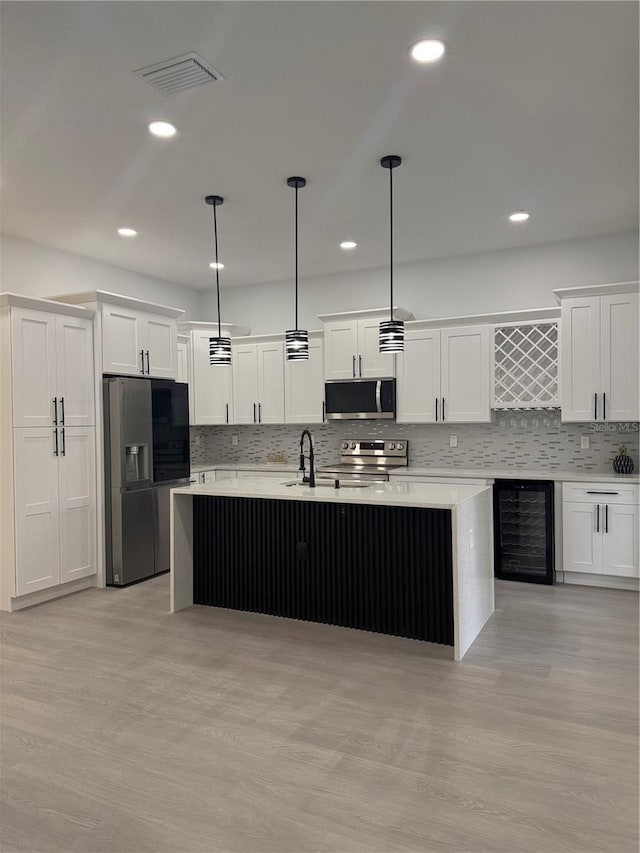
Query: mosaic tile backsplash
534,440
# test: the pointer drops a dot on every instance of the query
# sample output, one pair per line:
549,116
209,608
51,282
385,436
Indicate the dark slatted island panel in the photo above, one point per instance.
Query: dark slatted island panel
377,568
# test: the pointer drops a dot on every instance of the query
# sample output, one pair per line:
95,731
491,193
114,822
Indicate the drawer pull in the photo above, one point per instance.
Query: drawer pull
602,493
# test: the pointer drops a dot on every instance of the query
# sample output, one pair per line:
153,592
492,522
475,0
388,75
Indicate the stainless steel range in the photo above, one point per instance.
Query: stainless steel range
367,460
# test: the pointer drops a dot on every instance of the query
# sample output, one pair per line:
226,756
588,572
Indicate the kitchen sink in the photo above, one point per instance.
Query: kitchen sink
330,484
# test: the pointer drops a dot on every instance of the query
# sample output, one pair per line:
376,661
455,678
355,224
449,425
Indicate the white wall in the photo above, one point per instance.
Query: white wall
37,270
472,284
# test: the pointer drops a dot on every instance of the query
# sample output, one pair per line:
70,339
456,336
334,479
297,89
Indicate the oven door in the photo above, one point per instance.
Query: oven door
360,399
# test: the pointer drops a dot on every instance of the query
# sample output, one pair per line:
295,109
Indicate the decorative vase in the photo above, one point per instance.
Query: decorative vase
622,464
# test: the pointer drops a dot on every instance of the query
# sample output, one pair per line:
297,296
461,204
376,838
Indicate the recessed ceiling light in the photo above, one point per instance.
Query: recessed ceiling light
162,128
348,244
127,232
215,266
519,216
428,50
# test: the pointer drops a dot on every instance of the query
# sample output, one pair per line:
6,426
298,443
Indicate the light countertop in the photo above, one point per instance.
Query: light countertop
466,473
423,495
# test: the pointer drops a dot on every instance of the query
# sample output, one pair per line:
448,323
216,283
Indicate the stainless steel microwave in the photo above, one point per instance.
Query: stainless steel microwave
360,399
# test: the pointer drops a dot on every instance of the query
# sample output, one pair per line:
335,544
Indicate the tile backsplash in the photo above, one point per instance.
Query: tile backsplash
528,440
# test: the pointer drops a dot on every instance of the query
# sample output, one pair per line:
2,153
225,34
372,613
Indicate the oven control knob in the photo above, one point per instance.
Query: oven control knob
400,446
353,445
392,446
345,445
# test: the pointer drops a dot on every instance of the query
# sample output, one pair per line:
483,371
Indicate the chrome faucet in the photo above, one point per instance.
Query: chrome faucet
311,479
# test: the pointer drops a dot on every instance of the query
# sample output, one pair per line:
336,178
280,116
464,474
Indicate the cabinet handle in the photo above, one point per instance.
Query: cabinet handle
254,413
323,410
597,518
443,408
55,452
62,411
436,410
64,444
55,411
595,406
226,412
606,518
604,405
259,413
353,367
602,493
360,365
148,371
142,360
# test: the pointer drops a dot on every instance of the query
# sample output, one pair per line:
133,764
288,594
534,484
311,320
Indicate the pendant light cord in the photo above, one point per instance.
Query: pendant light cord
215,240
296,254
391,240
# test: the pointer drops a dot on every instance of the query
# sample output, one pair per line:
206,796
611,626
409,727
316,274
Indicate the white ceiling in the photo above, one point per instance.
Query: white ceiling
535,106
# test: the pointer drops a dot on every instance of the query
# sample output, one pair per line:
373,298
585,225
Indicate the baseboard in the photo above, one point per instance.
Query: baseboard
608,581
43,595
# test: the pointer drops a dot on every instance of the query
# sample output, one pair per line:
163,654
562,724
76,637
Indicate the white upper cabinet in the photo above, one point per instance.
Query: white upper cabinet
466,374
75,383
351,349
444,375
122,335
135,338
258,382
210,385
304,386
418,388
599,355
33,344
53,377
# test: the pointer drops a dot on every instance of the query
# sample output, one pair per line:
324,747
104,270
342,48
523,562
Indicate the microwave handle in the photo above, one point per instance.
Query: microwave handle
378,400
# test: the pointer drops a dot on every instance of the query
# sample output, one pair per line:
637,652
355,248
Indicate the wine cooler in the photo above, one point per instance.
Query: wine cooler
523,526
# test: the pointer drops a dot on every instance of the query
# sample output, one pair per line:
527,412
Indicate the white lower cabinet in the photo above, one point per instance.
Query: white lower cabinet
600,529
55,506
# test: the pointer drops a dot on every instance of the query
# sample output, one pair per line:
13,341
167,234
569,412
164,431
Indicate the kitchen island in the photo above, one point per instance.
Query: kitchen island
404,559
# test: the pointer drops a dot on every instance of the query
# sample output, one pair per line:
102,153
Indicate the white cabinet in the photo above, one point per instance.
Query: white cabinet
351,350
183,360
138,343
55,506
211,390
36,509
444,375
304,387
600,529
48,525
258,382
52,369
599,358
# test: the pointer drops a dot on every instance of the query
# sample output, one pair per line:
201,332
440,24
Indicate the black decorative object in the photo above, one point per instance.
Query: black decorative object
219,348
296,340
391,335
622,463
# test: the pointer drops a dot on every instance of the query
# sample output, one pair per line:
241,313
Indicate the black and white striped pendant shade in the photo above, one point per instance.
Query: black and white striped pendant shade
391,332
219,350
391,336
297,344
296,340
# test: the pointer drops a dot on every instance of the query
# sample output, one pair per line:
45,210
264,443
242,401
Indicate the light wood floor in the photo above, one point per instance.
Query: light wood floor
127,729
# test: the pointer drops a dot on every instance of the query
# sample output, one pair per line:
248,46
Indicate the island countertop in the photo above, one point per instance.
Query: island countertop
422,495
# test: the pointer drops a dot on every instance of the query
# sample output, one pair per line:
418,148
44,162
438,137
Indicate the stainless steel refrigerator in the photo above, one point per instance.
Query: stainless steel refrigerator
146,441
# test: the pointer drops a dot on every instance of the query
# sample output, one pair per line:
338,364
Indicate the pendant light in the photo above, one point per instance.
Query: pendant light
297,340
219,348
391,334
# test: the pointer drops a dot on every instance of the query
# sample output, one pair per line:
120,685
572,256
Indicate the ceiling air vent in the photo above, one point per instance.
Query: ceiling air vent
178,74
